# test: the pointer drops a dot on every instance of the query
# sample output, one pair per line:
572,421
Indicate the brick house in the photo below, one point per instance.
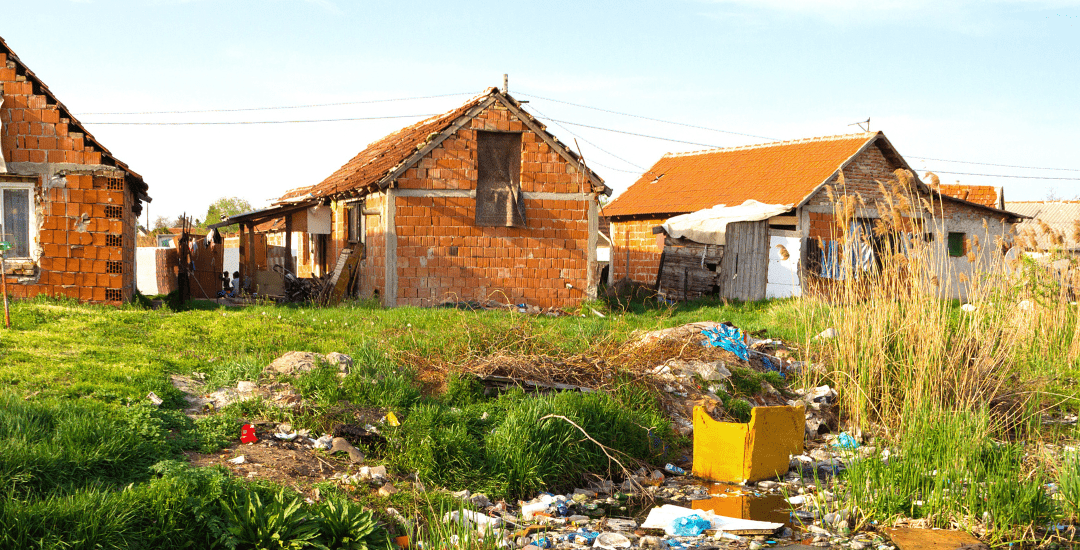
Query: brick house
69,207
479,203
797,174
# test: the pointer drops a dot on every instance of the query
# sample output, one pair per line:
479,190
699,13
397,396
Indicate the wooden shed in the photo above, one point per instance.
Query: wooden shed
736,270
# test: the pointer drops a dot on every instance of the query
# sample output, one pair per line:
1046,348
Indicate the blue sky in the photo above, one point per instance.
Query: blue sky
995,81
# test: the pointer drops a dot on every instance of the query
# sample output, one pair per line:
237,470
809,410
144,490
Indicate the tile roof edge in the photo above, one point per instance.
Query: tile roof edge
838,137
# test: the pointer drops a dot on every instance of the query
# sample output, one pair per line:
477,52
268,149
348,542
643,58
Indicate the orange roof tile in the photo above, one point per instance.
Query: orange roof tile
383,156
783,172
986,195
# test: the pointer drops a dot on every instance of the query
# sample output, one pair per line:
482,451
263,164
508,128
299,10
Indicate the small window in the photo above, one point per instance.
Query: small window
15,220
956,244
498,180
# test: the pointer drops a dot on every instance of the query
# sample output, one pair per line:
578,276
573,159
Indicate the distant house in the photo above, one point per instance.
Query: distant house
479,203
797,175
1054,225
69,206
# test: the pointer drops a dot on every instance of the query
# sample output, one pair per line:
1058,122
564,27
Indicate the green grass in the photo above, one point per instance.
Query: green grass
86,462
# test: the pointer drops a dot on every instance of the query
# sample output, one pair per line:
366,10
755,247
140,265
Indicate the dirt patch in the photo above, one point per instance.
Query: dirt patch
282,462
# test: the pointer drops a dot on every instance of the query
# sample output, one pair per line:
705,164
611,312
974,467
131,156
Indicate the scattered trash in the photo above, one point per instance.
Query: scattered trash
845,441
827,334
285,436
325,442
340,444
476,520
611,541
247,434
664,518
391,419
671,468
690,526
968,308
727,337
237,460
154,399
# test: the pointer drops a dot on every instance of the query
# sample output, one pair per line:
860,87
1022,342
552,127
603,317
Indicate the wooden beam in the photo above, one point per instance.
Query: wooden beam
288,244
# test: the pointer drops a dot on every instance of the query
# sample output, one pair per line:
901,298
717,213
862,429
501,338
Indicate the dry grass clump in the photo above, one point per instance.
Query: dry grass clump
902,346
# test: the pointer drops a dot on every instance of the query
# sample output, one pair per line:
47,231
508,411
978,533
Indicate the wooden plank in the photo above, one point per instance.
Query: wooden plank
347,265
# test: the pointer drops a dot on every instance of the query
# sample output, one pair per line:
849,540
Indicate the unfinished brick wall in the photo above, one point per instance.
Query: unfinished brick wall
34,130
442,255
86,241
373,270
637,238
83,228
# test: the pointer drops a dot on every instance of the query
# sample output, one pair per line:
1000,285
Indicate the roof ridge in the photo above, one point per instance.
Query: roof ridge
863,135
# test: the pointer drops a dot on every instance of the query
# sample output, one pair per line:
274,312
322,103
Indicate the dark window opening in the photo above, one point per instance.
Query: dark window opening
956,244
352,223
498,180
15,221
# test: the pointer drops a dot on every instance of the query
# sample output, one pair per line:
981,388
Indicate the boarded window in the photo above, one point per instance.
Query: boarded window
498,180
956,244
15,221
352,223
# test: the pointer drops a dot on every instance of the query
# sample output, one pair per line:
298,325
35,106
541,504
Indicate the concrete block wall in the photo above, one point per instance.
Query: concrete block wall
637,238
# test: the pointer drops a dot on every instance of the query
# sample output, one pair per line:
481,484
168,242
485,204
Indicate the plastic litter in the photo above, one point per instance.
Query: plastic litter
391,419
845,441
285,436
157,401
690,526
611,541
476,520
324,442
237,460
247,434
673,469
726,337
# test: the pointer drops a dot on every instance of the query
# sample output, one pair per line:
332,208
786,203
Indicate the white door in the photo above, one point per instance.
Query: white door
783,278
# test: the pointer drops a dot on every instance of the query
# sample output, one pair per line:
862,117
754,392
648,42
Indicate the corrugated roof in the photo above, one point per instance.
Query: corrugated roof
784,172
986,195
1060,216
389,154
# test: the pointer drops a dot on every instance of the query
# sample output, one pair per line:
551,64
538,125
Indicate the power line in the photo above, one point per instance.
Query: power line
650,118
279,108
998,165
1001,175
248,122
542,115
634,133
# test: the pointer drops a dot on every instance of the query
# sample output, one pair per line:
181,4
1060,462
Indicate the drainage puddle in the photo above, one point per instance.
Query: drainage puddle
740,502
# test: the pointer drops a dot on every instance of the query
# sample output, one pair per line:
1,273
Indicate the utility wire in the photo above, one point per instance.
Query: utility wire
1001,175
542,115
282,107
633,133
248,122
649,118
998,165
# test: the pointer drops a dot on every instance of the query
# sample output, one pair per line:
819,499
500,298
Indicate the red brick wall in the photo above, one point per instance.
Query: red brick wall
636,237
442,255
374,267
79,257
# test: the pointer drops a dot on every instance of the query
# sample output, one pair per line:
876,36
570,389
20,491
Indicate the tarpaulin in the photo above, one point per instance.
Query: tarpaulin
709,226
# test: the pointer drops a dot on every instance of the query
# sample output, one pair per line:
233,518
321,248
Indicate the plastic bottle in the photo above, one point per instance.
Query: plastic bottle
527,510
673,469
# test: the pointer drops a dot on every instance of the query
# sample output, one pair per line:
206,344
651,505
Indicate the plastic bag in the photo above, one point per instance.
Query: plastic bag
690,526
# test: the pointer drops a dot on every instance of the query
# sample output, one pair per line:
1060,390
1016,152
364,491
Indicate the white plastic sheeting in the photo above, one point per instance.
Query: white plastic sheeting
709,226
664,517
783,278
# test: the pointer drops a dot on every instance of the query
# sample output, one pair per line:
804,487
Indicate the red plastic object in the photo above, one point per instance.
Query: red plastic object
247,434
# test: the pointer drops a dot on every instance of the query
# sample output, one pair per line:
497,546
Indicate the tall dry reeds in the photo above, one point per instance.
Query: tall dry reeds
903,345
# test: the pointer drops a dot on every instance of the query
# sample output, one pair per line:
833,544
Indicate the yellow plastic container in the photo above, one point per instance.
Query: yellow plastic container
762,449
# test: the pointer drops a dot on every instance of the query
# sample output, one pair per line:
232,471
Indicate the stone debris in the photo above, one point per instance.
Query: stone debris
295,362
